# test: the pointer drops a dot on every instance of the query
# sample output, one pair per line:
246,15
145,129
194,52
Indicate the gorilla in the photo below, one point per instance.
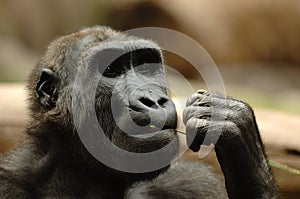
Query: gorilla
120,80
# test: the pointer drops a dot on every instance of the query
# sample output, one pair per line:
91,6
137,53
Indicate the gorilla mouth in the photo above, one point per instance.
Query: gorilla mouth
153,130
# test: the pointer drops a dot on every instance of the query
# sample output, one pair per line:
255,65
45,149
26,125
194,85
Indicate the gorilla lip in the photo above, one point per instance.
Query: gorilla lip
152,130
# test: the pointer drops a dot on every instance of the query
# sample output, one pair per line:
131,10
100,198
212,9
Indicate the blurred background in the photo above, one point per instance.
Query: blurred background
255,44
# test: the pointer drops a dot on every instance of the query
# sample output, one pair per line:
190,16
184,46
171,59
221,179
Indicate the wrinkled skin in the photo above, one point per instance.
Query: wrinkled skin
54,163
239,148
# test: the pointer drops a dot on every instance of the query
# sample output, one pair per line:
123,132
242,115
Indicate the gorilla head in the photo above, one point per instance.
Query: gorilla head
120,80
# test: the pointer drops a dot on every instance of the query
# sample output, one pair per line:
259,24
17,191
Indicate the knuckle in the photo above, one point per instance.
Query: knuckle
186,113
191,123
221,114
232,129
241,106
204,102
199,98
191,99
195,123
231,126
203,92
244,112
196,112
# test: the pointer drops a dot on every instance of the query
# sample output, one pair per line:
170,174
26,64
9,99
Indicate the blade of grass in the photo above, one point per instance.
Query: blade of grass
284,167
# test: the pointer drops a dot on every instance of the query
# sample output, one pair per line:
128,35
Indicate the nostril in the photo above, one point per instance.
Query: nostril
162,101
148,102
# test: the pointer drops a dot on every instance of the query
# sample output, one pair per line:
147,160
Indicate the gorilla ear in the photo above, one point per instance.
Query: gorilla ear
46,90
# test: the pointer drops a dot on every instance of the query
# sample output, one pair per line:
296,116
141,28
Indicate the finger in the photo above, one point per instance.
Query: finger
203,92
212,101
196,112
191,99
195,132
197,97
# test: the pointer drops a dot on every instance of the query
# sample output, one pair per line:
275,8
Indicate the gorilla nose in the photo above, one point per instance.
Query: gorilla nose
154,108
147,100
152,103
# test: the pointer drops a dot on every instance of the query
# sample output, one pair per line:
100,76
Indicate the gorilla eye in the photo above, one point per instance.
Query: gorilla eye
118,66
111,72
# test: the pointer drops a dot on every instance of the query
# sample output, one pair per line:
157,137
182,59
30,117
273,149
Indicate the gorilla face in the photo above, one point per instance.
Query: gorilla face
131,100
133,82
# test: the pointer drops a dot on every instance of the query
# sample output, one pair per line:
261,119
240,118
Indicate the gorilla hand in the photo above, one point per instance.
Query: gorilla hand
239,148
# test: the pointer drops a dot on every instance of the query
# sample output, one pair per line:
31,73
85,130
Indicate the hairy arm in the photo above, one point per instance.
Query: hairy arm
239,148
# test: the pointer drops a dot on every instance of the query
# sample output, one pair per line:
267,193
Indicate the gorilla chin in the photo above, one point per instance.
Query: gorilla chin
146,142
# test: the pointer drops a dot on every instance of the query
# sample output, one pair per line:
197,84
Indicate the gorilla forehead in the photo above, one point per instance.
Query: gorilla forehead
70,44
69,49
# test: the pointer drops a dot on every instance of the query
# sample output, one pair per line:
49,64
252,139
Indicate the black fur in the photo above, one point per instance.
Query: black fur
53,163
